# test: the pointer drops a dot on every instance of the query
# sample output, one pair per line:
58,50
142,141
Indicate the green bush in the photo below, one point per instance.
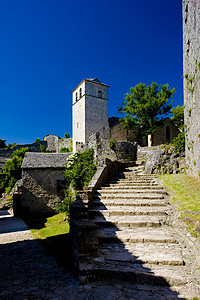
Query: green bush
11,171
79,171
64,150
64,206
112,144
179,142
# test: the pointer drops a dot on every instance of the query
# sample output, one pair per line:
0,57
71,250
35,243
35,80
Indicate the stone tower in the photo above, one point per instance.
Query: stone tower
90,110
191,72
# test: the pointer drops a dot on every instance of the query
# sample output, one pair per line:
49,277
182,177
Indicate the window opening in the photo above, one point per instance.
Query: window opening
76,96
80,92
100,94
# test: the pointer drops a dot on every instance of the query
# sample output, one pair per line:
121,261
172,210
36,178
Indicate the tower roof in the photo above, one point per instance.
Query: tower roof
94,80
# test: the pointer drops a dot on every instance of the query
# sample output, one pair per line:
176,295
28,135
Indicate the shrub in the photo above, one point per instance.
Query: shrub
67,135
79,171
179,142
112,144
12,170
64,206
64,150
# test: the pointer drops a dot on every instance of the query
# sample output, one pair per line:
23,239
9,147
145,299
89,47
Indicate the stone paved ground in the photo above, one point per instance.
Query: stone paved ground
28,272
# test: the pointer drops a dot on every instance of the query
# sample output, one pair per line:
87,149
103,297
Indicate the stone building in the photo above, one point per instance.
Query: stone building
55,143
43,182
162,135
191,72
90,110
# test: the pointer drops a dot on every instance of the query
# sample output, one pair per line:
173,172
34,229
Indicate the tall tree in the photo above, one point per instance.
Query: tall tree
145,107
178,116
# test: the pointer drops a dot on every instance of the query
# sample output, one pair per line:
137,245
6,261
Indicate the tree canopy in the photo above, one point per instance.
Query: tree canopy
178,116
145,107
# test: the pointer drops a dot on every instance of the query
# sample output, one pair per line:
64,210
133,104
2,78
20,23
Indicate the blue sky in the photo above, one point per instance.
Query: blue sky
48,46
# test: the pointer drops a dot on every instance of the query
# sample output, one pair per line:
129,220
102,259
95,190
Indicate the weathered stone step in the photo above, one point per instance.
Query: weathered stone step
100,269
128,196
130,184
132,187
129,191
130,222
129,202
148,253
134,182
133,235
128,210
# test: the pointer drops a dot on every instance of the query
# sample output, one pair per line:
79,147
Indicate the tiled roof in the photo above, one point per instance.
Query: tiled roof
44,160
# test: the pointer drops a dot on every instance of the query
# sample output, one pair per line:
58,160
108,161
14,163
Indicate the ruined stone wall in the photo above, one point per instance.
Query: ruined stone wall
191,71
122,151
41,190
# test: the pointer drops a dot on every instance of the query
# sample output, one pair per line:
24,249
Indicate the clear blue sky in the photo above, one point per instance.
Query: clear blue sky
48,46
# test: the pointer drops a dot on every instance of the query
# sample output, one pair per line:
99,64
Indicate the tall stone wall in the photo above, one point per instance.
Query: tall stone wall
191,71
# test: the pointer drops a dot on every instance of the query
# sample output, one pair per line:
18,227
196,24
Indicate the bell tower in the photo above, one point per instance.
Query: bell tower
89,110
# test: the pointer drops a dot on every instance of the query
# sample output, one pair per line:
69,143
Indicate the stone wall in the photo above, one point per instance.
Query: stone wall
40,191
43,182
123,150
163,161
35,147
191,72
165,134
55,143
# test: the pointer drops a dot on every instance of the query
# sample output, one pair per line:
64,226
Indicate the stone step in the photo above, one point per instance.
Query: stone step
129,191
99,269
129,202
128,210
134,181
130,184
129,196
133,235
130,221
148,253
132,187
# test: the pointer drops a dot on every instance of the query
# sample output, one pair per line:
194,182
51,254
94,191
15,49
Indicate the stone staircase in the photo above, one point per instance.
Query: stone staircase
136,243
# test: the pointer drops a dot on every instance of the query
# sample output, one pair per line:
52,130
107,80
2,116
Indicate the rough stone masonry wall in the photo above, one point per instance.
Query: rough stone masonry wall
191,72
40,190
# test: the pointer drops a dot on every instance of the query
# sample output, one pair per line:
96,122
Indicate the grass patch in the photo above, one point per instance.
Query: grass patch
185,191
52,232
43,228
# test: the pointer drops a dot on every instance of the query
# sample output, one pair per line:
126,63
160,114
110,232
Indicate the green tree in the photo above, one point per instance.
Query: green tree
67,135
11,171
178,116
145,107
